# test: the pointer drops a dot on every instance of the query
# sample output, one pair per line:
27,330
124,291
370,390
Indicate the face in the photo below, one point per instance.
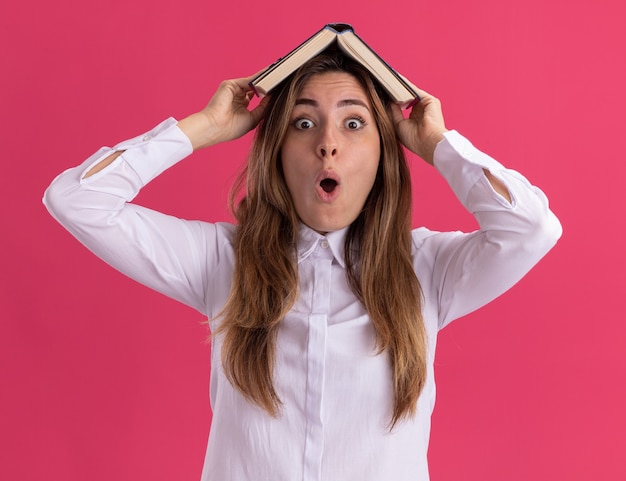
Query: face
331,152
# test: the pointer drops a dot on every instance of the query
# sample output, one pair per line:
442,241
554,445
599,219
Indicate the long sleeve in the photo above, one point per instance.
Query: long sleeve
466,271
163,252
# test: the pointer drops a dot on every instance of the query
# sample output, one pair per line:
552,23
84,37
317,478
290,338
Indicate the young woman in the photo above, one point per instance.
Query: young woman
324,305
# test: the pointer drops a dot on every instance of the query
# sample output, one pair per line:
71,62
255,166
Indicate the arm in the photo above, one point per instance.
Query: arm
517,227
514,233
226,117
93,201
424,129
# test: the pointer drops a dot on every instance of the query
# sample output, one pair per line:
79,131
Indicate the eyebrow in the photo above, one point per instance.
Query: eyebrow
341,103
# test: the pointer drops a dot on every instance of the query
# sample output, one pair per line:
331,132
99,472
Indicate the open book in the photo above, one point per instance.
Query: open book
350,43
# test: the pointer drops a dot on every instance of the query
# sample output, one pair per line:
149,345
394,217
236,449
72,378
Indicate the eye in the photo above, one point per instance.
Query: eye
303,124
355,123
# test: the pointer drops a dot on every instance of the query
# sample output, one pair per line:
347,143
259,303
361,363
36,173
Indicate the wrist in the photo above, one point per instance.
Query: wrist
198,128
431,145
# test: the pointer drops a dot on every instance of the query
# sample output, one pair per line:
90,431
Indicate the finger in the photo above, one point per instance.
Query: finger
252,77
422,93
419,91
244,81
257,112
243,85
396,113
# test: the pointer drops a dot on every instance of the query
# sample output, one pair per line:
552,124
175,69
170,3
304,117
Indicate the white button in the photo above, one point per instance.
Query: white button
147,137
324,244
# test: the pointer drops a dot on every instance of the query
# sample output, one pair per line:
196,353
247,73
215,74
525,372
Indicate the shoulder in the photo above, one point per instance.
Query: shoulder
223,234
426,239
225,229
431,249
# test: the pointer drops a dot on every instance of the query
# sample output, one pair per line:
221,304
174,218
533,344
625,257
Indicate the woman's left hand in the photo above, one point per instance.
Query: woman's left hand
424,127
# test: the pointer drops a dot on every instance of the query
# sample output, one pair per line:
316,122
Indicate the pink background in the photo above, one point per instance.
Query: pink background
103,379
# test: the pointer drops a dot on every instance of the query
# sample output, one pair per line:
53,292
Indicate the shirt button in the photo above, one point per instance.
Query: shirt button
324,244
147,137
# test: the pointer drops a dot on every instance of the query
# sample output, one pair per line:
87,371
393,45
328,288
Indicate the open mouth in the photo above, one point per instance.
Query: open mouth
328,185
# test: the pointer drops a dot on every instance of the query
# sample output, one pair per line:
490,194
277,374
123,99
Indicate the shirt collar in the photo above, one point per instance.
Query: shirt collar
308,240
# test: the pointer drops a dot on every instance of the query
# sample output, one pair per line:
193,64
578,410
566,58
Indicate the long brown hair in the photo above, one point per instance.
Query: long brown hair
377,251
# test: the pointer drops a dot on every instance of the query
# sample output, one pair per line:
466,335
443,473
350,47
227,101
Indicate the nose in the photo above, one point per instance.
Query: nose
327,150
327,144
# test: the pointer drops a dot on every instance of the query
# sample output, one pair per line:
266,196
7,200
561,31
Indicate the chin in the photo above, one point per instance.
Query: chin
326,227
329,223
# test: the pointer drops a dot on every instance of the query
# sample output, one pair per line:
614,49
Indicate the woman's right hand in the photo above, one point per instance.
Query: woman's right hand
226,117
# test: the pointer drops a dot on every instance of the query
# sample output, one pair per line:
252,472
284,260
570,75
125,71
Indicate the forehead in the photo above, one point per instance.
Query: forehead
333,86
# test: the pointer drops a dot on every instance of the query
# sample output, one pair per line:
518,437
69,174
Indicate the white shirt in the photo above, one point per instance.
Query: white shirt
336,392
